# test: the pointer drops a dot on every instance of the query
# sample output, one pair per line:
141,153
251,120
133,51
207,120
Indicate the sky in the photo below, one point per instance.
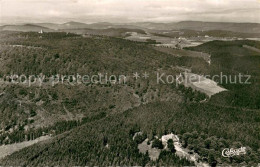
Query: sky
89,11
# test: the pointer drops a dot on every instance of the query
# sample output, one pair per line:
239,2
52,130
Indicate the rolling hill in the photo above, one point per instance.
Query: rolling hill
218,29
25,28
203,26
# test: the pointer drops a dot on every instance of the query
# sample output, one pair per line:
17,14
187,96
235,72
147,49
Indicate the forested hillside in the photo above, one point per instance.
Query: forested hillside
204,128
231,58
94,124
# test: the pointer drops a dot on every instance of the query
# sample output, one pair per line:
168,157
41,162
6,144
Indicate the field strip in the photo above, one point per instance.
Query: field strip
11,148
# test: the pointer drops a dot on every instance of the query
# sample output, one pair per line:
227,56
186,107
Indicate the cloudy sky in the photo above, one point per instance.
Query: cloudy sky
14,11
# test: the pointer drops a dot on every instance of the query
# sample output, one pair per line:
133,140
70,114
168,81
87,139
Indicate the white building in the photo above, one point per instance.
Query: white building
40,32
172,136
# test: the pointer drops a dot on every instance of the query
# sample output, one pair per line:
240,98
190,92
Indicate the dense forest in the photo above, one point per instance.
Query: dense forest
93,124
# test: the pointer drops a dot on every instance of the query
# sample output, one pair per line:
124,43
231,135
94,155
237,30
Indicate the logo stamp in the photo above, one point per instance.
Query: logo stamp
233,152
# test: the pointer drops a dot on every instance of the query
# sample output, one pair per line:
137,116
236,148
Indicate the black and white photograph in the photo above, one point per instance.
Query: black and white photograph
111,83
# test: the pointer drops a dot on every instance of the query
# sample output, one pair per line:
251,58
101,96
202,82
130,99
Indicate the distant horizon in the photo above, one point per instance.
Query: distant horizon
118,23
